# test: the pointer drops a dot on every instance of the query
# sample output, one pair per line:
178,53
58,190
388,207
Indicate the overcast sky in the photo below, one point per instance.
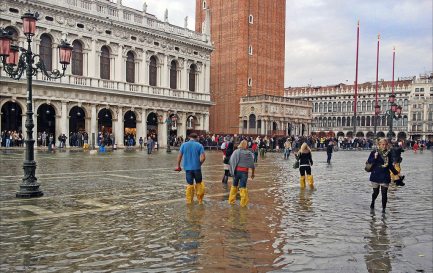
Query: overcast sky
321,37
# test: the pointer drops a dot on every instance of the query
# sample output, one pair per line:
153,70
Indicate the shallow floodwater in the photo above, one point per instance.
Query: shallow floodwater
124,211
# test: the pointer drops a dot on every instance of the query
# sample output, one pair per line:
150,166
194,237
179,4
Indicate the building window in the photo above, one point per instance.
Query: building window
77,58
130,67
173,75
192,75
250,50
152,71
250,82
46,51
105,63
251,19
204,4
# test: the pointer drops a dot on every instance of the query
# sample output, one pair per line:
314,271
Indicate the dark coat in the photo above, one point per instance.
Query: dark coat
381,174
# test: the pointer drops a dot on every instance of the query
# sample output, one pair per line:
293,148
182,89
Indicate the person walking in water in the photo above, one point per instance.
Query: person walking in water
381,160
192,153
305,163
227,147
150,143
240,162
329,151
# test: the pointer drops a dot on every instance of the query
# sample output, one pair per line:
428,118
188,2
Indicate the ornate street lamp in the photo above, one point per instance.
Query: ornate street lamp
393,113
30,63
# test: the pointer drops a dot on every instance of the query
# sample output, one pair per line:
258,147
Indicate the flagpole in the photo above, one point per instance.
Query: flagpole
356,82
376,107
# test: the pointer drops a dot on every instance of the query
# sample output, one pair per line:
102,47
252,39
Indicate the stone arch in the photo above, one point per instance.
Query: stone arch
401,135
360,134
380,134
46,119
105,120
11,116
370,134
340,134
77,119
252,121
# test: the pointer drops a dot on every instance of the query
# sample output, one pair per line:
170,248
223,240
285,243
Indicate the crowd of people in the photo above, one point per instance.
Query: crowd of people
12,138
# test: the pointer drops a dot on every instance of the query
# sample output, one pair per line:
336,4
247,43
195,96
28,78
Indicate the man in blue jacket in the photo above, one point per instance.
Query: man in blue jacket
192,153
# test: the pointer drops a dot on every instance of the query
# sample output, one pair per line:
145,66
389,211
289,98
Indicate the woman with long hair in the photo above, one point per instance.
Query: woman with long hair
381,160
305,163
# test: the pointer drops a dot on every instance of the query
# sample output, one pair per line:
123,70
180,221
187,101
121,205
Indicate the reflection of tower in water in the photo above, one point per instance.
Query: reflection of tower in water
377,258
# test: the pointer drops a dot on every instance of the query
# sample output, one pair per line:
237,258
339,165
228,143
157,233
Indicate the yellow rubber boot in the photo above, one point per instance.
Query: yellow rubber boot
189,194
395,177
243,192
199,191
310,181
232,196
302,181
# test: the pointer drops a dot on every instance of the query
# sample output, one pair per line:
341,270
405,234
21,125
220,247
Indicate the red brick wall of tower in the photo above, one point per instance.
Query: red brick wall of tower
231,63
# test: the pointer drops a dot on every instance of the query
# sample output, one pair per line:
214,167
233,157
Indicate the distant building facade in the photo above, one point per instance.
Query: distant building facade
333,114
130,72
421,108
248,57
275,115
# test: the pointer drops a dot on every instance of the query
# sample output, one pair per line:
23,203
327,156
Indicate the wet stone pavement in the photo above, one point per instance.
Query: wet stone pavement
124,211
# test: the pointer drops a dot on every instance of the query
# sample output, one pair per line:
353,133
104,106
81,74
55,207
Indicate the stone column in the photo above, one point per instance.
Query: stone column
248,125
162,131
206,122
64,119
85,63
93,72
55,54
143,124
58,130
119,62
181,125
185,79
119,130
93,126
207,77
165,72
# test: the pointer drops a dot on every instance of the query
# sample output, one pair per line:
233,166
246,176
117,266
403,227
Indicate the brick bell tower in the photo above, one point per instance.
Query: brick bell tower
248,57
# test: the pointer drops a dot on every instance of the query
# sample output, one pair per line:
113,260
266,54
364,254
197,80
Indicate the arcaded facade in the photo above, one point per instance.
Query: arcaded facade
130,72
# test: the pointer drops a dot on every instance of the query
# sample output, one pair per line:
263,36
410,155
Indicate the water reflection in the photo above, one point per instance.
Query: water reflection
305,200
377,257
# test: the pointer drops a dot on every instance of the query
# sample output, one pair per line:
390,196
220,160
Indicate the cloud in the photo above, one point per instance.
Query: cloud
321,37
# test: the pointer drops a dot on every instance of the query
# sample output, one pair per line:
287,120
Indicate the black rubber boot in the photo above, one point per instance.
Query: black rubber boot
384,198
374,196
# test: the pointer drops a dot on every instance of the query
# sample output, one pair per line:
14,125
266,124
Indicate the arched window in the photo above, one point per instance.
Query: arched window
316,107
338,122
152,71
344,107
173,75
367,121
405,120
363,121
369,109
334,107
339,107
252,121
325,107
130,67
77,58
104,62
192,75
329,106
13,31
343,121
364,106
320,107
46,51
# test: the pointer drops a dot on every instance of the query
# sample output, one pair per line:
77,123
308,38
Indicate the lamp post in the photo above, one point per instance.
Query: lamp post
30,63
393,113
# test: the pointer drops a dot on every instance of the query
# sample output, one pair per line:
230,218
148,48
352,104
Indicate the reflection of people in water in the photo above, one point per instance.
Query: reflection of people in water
305,200
191,233
377,258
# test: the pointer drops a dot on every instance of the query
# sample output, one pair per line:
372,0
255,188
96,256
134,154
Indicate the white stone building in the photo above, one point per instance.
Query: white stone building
274,115
129,72
333,107
421,108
